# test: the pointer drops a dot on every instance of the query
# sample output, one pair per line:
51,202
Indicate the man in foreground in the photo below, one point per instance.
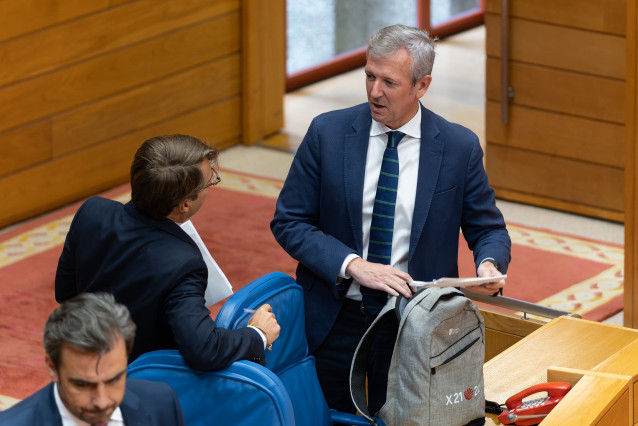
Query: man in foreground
87,341
139,253
375,199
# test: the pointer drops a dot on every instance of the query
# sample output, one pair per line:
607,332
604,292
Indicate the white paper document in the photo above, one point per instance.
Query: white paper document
458,282
218,287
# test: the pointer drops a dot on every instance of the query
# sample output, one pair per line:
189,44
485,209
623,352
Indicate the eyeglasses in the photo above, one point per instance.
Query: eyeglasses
214,180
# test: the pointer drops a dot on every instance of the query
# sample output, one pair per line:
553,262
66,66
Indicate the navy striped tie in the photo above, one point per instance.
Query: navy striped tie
382,226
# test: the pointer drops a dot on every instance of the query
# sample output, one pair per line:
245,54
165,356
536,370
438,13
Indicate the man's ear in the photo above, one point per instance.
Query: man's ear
422,86
185,205
53,372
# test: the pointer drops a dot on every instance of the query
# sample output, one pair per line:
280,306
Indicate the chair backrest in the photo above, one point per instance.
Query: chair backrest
289,358
285,296
244,393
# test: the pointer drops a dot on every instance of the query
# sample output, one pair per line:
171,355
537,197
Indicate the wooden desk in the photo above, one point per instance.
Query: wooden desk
598,359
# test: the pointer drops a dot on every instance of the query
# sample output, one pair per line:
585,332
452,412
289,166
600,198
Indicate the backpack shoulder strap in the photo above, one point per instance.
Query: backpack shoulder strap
359,361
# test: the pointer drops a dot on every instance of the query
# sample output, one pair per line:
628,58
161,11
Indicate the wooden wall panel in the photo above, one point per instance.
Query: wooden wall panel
565,48
630,294
122,70
19,17
28,145
82,84
104,33
558,178
101,120
558,134
560,91
606,16
105,165
558,131
148,104
263,68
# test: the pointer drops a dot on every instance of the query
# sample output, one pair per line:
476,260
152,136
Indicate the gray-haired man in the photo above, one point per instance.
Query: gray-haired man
87,340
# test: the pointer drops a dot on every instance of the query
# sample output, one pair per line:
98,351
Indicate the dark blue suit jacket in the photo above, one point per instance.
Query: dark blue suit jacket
156,270
318,220
145,404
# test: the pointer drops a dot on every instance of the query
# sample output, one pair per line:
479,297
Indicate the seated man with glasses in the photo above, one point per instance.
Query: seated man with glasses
139,253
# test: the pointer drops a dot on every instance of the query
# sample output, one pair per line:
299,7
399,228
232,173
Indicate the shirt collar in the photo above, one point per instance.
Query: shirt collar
412,128
69,419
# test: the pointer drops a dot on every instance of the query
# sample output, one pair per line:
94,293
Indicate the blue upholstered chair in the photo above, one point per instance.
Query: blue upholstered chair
244,393
289,358
285,392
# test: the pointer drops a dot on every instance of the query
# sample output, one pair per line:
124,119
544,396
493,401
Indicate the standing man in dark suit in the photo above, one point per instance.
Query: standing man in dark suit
140,254
87,340
354,243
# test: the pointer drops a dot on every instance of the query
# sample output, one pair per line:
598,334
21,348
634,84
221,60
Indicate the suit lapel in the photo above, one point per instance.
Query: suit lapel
354,167
47,410
430,158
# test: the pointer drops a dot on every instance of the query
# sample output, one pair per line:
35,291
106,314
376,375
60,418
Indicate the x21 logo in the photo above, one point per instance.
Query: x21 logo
459,397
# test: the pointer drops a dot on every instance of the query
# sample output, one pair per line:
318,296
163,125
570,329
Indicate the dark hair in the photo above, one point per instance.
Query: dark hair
166,171
415,41
90,322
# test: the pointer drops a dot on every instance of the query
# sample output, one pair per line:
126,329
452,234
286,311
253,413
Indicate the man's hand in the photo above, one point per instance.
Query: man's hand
487,269
265,320
380,277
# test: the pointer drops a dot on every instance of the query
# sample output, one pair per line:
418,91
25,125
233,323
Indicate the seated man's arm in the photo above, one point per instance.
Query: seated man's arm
203,345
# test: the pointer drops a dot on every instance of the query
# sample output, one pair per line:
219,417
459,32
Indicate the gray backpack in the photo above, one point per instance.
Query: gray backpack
436,371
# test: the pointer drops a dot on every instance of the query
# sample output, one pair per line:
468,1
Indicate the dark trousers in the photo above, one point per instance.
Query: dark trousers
334,357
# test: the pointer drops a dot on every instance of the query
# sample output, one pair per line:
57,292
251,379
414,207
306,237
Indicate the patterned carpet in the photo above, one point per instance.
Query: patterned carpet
560,271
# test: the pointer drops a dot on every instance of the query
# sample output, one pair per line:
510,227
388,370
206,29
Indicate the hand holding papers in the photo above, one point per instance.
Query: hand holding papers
218,287
457,282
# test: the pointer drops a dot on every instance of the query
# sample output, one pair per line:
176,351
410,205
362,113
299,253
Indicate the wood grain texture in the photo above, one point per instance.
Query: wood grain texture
502,330
84,83
104,33
25,146
607,16
559,47
560,91
560,343
123,112
102,166
567,71
561,205
144,105
263,68
554,177
18,17
557,134
630,311
123,70
607,403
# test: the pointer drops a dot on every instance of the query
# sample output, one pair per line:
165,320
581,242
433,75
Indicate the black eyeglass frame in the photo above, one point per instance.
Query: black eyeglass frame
214,182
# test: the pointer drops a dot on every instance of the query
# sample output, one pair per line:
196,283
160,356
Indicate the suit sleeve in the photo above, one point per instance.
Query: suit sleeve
203,345
65,275
482,222
297,224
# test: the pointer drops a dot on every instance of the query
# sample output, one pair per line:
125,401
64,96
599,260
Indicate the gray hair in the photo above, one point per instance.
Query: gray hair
90,322
415,41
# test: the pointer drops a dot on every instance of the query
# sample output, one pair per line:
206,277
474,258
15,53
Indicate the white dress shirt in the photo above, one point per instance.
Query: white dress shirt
408,151
69,419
